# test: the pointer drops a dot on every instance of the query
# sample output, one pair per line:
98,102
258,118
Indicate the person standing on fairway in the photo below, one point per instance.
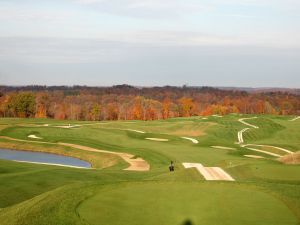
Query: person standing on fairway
171,167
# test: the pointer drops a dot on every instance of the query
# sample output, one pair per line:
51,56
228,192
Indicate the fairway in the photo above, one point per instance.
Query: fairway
222,175
203,203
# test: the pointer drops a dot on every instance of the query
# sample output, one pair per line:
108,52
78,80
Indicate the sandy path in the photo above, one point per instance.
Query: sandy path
191,139
248,124
52,164
297,118
34,136
240,135
254,156
137,164
223,147
210,173
157,139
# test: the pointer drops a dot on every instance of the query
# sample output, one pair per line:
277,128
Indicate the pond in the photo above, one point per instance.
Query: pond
42,158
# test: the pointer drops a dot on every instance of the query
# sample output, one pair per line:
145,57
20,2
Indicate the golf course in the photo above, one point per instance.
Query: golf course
235,169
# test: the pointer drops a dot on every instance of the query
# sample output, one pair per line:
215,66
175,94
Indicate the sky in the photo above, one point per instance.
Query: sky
245,43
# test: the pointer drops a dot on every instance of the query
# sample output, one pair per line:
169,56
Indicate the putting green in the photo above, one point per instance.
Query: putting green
184,203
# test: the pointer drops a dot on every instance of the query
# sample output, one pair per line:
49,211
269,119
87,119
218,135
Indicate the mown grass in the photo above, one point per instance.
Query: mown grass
266,191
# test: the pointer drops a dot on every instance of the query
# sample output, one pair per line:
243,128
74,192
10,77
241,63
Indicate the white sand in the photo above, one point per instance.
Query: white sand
217,116
68,126
254,156
223,147
248,124
34,136
137,164
262,151
157,139
270,146
210,173
296,118
240,135
191,139
137,131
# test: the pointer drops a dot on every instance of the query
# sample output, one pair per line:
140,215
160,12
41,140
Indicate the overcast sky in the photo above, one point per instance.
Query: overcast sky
250,43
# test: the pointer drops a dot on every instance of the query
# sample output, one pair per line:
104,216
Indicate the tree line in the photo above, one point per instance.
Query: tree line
124,102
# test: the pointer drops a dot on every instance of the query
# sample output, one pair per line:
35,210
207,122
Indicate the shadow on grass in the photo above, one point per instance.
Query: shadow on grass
187,222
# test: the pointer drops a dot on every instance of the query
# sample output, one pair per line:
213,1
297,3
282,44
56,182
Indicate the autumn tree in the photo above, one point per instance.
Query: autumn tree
186,106
22,104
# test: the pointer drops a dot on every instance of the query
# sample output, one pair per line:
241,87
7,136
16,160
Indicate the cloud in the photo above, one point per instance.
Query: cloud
27,14
146,8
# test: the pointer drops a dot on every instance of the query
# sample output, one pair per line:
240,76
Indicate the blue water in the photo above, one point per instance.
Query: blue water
40,157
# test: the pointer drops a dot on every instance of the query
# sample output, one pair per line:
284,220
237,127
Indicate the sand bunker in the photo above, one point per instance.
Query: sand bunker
157,139
240,135
34,136
137,131
254,156
217,116
248,124
270,146
68,126
191,139
223,147
297,118
136,164
210,173
261,151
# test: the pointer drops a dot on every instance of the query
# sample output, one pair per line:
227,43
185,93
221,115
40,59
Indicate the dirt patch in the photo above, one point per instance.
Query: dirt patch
291,158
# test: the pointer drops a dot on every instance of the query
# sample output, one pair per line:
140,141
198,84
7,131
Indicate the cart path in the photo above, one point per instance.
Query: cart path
210,173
